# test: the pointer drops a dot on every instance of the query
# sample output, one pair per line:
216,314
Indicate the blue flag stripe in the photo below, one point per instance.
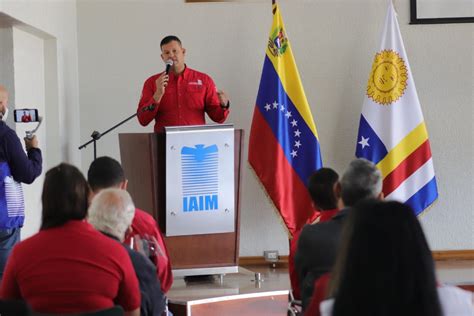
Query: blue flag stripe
376,150
424,197
308,157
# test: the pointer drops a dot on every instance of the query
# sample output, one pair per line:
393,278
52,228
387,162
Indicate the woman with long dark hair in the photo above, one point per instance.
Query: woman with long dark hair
385,268
69,267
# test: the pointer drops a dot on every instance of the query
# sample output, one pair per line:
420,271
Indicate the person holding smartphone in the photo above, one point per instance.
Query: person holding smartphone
16,167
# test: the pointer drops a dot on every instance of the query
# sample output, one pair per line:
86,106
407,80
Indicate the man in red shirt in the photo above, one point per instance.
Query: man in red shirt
106,172
180,95
325,193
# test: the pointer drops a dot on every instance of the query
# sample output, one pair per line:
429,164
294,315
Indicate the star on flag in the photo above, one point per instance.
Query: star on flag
294,123
364,142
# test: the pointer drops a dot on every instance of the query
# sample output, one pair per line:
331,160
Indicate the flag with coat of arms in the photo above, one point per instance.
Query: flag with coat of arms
284,147
392,131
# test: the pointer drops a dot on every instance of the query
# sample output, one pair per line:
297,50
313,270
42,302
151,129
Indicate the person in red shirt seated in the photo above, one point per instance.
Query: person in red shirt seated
106,172
180,95
323,188
318,244
68,266
111,212
385,267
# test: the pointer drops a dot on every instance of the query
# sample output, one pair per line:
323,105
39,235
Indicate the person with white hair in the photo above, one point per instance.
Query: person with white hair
111,212
318,244
106,172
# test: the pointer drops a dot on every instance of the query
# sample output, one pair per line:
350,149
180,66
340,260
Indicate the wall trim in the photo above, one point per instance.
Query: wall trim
438,255
467,254
260,261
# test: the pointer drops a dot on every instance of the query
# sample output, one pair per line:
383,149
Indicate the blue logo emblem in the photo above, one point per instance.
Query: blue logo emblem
200,178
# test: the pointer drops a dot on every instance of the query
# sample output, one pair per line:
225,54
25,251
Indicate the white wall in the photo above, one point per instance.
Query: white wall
55,22
42,51
333,43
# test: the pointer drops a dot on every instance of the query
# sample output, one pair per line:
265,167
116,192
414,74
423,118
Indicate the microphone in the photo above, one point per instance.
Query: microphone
168,63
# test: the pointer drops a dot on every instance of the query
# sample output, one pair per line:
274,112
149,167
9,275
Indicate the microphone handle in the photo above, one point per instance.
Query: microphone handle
150,108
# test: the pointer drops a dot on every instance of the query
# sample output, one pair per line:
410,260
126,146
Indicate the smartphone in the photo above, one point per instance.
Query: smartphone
25,115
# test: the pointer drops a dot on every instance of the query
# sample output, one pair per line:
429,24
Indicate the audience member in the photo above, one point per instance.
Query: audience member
318,244
16,167
322,185
68,266
111,212
106,172
385,268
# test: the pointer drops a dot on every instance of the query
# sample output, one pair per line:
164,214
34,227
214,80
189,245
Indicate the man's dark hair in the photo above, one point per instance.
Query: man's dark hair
321,188
105,172
169,39
65,196
384,255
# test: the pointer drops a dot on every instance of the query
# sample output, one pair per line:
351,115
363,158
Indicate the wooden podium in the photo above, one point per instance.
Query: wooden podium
144,162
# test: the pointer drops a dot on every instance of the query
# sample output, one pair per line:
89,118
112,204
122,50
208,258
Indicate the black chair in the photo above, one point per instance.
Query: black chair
295,307
113,311
15,308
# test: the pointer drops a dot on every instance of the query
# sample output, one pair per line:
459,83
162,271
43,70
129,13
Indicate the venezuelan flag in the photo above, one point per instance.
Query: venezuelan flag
284,148
392,130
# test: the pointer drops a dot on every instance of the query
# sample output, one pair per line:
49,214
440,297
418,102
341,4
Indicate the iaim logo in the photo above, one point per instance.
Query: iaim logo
200,178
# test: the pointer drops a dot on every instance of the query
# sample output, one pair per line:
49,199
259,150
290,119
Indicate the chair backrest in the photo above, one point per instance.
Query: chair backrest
294,306
14,308
113,311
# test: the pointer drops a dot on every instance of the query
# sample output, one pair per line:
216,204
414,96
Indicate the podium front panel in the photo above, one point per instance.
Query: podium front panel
200,180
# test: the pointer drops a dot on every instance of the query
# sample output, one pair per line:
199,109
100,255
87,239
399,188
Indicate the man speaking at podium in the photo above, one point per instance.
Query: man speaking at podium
180,95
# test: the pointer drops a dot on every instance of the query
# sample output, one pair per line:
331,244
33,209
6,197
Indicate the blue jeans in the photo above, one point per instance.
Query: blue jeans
8,239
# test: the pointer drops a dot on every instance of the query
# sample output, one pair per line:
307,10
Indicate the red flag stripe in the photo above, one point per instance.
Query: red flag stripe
288,193
407,167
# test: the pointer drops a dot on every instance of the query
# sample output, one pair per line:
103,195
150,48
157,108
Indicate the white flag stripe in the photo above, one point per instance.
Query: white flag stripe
413,183
393,122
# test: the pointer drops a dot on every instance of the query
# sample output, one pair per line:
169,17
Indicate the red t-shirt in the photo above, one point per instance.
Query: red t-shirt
144,224
70,269
187,97
323,216
319,295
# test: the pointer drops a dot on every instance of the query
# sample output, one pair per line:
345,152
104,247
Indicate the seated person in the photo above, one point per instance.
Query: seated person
385,267
106,172
318,244
68,266
111,212
322,185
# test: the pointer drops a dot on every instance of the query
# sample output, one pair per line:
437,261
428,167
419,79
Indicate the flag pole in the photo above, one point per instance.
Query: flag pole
274,9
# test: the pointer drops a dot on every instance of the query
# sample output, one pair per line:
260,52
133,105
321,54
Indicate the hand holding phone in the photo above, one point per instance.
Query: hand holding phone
31,142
